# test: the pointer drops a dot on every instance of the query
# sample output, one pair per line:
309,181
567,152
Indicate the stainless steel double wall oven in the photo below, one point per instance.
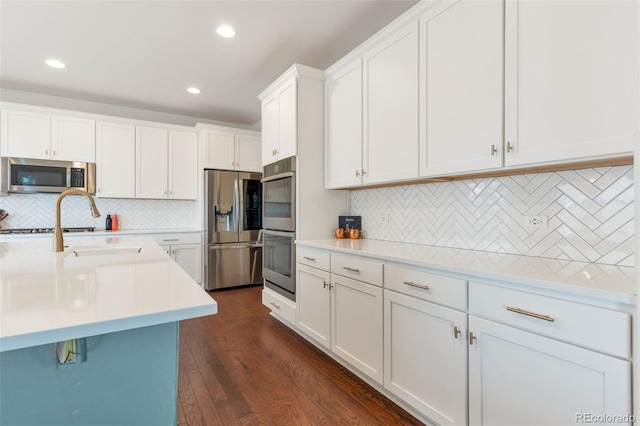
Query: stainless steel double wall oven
279,223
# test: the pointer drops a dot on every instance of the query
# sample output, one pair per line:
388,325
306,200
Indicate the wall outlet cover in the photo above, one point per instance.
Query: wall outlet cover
536,222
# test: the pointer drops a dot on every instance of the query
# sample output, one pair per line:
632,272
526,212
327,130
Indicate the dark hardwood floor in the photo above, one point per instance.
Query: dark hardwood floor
243,367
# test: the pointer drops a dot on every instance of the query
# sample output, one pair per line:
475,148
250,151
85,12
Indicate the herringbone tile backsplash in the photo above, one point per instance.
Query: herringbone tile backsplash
590,214
38,211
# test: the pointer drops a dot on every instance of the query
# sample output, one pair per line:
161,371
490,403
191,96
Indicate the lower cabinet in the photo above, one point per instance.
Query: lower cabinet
517,378
343,315
185,249
425,357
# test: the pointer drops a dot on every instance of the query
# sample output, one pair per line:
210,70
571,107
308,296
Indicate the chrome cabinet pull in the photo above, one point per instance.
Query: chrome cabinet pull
313,259
357,173
170,239
363,172
509,147
494,150
275,306
324,284
530,314
331,286
348,268
456,332
412,284
471,338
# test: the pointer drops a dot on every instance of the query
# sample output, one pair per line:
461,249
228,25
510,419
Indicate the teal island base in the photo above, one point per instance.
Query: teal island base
128,378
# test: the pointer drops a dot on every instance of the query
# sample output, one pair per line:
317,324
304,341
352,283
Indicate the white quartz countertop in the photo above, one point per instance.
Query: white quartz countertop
604,282
48,297
101,233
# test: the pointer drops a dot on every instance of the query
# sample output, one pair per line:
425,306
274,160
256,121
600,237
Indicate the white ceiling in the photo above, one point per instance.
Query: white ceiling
144,54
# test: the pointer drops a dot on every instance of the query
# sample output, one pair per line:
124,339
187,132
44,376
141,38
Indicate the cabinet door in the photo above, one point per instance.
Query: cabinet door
270,130
219,150
314,302
189,257
25,134
73,139
356,324
517,377
343,126
151,162
570,72
183,165
390,147
115,160
247,153
462,54
425,355
288,119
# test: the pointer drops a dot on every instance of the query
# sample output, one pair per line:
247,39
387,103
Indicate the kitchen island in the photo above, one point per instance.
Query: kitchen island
122,300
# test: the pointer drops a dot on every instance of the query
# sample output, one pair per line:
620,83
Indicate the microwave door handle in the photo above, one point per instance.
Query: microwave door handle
278,176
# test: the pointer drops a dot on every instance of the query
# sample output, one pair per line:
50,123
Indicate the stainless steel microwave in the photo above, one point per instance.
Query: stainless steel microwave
279,195
25,175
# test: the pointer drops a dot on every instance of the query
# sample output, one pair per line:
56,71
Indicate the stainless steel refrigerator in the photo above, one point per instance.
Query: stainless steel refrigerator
233,217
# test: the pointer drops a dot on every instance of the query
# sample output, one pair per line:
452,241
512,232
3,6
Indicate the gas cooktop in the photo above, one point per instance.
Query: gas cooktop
43,230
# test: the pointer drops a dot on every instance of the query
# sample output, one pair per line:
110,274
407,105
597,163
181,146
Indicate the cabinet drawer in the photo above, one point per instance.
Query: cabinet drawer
311,257
284,308
426,286
357,268
175,238
589,326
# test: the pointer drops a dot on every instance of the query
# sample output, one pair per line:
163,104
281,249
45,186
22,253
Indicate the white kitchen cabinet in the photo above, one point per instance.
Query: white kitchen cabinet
183,165
570,74
425,357
31,134
166,163
391,107
517,377
314,303
541,360
230,149
340,313
279,122
289,112
151,162
462,87
73,139
185,249
343,126
115,160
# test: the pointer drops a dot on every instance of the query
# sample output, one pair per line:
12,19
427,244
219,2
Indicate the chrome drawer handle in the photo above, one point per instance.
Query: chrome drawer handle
412,284
276,306
349,268
313,259
170,239
530,314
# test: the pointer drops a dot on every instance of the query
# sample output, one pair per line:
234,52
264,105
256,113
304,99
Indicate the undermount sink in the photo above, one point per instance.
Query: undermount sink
103,249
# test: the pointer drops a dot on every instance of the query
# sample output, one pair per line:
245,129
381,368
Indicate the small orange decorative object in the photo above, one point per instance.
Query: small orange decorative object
339,233
354,233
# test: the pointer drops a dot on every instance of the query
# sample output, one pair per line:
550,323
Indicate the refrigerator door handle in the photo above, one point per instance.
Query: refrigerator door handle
239,199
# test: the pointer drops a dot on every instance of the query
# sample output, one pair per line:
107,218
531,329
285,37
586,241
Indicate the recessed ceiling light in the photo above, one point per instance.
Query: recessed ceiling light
54,63
193,90
226,31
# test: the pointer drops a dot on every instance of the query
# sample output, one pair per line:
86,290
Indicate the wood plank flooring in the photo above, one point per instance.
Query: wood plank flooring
243,367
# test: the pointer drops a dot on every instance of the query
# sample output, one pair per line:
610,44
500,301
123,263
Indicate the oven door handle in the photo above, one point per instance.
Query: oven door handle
278,176
278,233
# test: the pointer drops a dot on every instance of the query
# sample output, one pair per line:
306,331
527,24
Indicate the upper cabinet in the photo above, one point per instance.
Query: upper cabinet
390,108
167,163
571,75
30,134
461,86
231,149
115,160
283,111
343,126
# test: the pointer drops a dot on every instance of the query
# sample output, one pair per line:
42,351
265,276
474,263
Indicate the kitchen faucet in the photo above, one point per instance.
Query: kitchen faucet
57,238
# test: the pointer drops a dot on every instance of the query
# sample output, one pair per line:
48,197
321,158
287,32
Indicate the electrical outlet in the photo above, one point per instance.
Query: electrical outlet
535,222
383,219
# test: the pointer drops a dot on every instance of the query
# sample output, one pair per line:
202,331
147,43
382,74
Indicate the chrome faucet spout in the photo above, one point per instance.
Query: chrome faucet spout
57,238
